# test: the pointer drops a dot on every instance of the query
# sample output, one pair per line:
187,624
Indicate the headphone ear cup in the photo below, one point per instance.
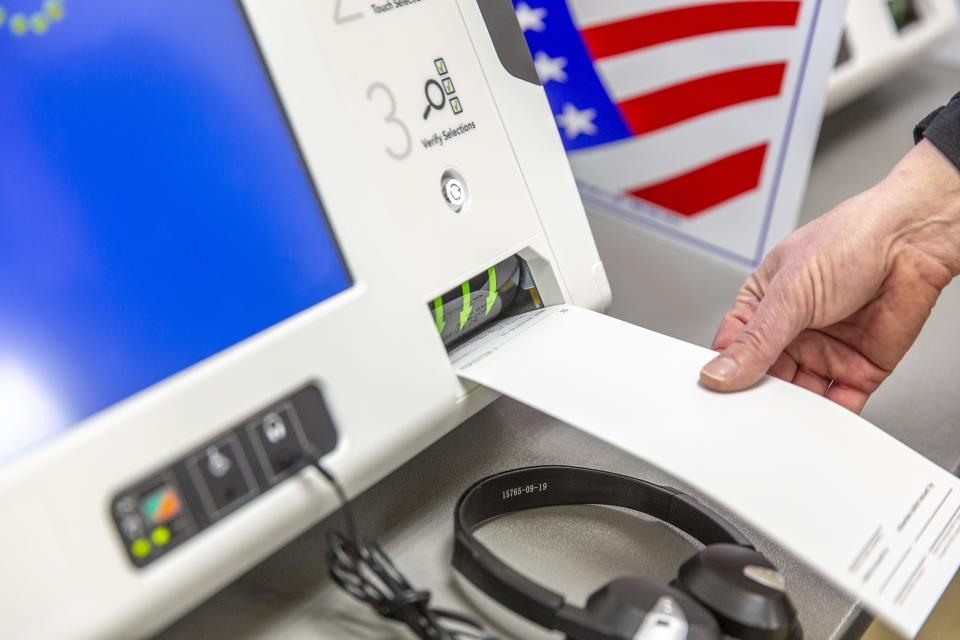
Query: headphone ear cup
743,590
634,607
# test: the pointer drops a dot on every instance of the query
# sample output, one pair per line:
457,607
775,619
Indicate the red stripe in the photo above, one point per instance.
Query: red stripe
679,102
614,38
705,187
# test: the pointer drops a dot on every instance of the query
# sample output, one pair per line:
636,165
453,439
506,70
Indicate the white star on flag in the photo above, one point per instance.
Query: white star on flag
550,68
576,121
530,18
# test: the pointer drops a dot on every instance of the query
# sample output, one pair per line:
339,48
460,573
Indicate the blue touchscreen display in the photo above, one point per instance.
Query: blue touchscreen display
154,206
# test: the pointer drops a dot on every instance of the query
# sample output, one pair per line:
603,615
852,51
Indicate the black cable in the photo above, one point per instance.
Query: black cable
367,573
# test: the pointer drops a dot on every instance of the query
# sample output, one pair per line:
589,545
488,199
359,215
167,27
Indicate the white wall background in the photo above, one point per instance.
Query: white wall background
949,51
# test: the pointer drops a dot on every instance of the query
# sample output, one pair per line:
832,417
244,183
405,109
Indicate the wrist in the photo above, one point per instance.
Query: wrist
921,204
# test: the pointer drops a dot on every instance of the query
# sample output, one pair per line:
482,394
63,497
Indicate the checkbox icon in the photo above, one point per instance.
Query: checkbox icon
448,86
441,66
455,105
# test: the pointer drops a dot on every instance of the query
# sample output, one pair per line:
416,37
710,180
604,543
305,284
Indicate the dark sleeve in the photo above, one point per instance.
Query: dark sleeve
942,129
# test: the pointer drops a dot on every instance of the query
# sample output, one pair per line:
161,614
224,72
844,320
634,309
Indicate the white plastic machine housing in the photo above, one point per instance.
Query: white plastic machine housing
351,76
878,50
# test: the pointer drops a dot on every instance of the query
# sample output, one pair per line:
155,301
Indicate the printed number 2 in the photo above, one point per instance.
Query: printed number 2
392,119
338,16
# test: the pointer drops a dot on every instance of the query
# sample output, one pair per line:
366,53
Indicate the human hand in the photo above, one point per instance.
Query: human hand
836,305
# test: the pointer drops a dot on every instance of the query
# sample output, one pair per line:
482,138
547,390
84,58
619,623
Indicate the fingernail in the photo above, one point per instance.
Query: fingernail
720,369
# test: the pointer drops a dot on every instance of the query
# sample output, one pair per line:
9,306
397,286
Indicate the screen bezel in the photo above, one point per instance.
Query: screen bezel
298,148
32,448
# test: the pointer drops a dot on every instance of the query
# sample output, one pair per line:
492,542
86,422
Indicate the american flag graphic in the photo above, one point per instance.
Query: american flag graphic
676,114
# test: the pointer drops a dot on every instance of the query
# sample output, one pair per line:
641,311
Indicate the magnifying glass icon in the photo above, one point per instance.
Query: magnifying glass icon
431,104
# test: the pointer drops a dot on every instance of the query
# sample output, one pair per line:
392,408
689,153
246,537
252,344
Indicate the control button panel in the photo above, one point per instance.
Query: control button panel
223,476
152,518
279,441
159,513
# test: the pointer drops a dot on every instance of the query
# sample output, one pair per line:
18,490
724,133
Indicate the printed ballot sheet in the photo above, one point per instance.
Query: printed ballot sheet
857,505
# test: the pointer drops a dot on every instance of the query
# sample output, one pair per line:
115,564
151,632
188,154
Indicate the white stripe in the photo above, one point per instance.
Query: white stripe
633,74
652,158
717,225
589,13
733,225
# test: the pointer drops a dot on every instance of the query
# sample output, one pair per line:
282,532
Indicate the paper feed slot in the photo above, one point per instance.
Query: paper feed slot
501,291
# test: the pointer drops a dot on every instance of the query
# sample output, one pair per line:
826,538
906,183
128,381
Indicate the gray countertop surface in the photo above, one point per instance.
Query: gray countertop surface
663,287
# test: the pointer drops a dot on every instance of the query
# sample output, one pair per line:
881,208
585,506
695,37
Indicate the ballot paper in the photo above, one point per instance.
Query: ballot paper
869,513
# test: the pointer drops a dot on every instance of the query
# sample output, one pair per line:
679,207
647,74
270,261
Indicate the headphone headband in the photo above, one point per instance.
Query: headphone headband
552,485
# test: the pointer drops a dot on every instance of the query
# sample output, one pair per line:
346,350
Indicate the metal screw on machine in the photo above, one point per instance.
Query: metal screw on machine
454,190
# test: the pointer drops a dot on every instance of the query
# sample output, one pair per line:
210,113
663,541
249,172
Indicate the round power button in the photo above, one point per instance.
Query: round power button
454,190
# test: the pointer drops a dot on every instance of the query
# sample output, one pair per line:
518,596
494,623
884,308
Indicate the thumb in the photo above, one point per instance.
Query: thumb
756,347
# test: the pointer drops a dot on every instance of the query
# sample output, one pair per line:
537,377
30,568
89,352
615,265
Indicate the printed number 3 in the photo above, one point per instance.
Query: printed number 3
391,119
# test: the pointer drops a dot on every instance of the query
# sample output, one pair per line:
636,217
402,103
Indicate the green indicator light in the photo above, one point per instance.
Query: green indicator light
160,536
140,548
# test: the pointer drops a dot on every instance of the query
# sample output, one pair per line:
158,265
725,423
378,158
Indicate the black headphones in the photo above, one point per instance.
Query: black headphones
726,588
